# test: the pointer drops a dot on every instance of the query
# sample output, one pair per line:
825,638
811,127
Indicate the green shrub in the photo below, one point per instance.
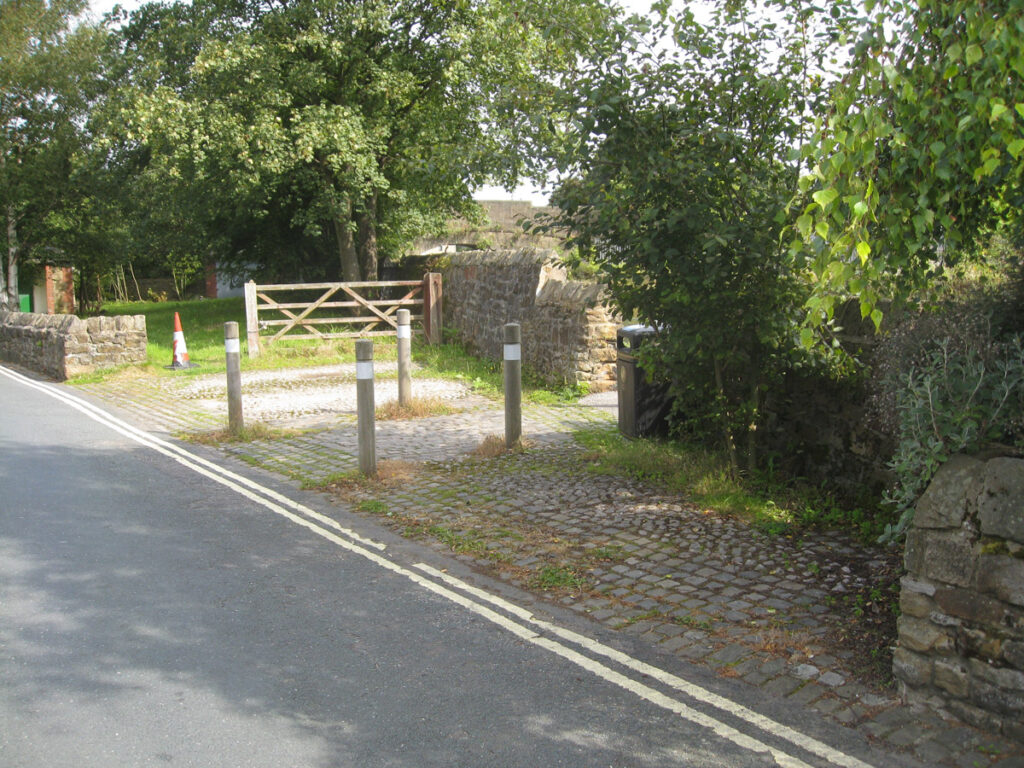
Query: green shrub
958,400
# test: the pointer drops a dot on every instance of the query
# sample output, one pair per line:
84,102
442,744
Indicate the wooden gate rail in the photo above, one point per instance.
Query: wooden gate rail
425,293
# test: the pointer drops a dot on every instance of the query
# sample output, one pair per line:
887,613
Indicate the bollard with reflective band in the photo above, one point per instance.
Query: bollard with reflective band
365,407
404,358
233,357
513,385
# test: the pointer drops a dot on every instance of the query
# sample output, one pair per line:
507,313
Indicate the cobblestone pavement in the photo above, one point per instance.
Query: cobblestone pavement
754,607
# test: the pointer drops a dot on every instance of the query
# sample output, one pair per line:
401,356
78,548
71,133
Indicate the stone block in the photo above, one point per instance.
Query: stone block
910,584
979,643
1001,500
1013,653
915,604
976,716
1003,577
952,677
914,552
1003,677
922,636
968,604
944,504
999,700
911,668
949,556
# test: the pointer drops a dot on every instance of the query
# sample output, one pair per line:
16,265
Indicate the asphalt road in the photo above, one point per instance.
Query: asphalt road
151,615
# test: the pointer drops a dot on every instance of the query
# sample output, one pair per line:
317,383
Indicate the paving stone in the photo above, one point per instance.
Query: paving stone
781,686
731,654
806,672
805,694
831,679
932,753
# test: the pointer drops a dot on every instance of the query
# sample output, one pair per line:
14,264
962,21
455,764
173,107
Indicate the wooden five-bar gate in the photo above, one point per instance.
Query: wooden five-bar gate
367,315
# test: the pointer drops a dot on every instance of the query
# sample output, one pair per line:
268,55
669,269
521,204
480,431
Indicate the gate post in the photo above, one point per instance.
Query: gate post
252,324
432,307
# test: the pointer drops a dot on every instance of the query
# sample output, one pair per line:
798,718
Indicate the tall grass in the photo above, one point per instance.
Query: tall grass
706,478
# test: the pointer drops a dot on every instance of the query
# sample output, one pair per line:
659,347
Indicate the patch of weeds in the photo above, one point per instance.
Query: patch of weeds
416,408
390,474
611,552
540,395
558,577
373,507
692,623
493,446
502,533
654,613
461,543
247,434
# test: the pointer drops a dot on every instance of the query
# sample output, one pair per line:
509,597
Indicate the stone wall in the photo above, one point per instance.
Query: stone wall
961,632
568,334
61,346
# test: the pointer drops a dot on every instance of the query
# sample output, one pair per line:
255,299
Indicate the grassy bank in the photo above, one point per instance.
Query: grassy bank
705,477
203,321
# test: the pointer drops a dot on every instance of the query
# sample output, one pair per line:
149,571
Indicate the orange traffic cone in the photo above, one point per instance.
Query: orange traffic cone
179,355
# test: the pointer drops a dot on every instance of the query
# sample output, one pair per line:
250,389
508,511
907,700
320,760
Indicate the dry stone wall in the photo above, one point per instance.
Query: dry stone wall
568,332
961,632
61,346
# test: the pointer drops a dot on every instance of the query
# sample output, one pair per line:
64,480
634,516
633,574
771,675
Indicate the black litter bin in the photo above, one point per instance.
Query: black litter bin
643,404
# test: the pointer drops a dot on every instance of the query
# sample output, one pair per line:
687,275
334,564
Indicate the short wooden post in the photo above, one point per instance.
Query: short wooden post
233,355
365,407
432,307
404,358
513,384
252,323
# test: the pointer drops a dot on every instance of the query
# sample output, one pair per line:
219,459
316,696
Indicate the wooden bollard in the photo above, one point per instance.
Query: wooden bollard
513,385
233,355
365,407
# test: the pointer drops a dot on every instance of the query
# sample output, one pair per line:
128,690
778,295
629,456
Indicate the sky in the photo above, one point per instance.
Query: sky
536,196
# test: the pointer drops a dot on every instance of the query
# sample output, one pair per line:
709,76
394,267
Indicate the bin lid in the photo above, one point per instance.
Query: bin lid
631,336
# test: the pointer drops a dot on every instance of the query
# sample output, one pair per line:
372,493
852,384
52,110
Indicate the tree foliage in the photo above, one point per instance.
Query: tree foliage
47,70
920,153
333,124
677,184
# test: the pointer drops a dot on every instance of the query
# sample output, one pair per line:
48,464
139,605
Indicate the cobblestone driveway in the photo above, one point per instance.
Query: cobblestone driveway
696,584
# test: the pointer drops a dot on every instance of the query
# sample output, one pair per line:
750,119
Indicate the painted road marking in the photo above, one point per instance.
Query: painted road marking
354,543
226,477
683,686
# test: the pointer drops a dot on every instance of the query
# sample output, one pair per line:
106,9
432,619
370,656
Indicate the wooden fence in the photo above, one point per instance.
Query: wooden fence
360,305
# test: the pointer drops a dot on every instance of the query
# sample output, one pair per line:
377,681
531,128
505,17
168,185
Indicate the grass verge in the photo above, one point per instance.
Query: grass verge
203,321
706,478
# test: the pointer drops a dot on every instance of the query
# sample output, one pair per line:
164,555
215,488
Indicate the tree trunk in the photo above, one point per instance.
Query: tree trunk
367,238
12,258
755,401
727,433
347,249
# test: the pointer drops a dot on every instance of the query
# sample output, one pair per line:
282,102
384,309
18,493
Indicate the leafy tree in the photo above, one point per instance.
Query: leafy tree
334,121
48,64
920,154
676,187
